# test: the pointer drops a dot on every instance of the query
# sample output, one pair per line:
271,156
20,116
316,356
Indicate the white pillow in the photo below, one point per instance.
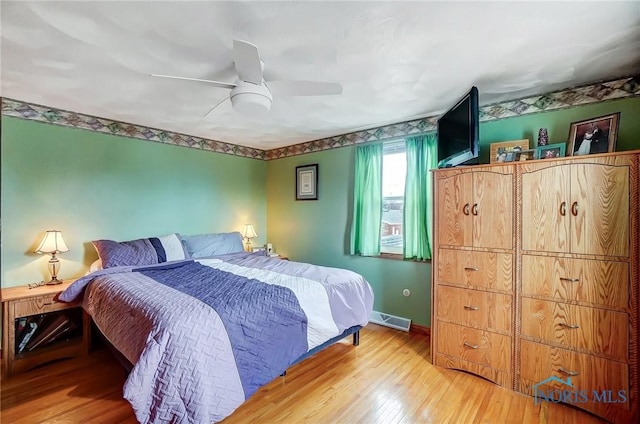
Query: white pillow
213,244
95,266
173,248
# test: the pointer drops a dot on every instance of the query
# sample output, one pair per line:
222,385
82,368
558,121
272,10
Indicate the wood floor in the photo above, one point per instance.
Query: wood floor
387,379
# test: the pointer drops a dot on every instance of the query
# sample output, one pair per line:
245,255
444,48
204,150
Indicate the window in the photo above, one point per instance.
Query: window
394,170
391,198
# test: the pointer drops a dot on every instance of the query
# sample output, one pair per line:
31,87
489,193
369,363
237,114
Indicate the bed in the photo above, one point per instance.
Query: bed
204,334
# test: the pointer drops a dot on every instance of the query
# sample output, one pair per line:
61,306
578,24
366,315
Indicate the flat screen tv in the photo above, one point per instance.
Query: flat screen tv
459,132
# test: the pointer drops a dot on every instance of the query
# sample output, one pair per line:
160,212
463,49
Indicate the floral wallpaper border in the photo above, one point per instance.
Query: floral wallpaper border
592,93
65,118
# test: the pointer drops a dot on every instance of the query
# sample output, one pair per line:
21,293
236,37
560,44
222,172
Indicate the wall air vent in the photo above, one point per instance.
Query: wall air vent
399,323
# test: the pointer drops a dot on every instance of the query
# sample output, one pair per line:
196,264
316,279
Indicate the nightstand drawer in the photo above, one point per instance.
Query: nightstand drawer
39,305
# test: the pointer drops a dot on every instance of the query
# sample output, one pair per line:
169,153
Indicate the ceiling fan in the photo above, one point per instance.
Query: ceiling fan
250,93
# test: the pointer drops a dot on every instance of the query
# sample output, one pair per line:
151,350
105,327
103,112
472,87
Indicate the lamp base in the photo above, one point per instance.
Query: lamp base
53,281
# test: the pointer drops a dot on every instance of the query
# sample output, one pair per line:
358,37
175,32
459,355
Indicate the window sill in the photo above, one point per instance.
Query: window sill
398,257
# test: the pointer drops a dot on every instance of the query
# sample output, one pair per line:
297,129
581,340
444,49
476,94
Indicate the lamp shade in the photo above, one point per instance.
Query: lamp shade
52,243
249,231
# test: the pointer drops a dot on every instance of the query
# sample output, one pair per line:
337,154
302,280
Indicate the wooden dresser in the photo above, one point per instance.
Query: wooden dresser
555,313
473,282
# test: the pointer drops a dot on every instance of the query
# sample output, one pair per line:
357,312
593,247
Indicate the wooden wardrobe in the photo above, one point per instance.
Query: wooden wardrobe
535,278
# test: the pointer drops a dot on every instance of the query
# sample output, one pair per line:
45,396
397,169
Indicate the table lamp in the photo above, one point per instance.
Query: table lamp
248,234
53,243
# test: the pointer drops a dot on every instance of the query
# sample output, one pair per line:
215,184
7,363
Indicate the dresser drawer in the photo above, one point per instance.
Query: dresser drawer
587,372
477,309
476,346
39,305
599,282
580,327
478,269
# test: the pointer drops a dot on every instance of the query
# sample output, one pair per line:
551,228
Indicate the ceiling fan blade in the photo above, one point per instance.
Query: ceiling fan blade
247,62
304,88
206,115
220,84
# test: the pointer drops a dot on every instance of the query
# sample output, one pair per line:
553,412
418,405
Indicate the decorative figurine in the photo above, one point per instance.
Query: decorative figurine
543,137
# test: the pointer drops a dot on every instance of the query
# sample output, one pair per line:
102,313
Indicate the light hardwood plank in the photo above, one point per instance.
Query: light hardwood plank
387,379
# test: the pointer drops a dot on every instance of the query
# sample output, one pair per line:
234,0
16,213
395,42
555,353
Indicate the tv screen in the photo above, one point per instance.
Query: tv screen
458,132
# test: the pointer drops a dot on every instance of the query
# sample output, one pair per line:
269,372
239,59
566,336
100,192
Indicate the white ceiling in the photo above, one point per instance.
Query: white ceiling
396,60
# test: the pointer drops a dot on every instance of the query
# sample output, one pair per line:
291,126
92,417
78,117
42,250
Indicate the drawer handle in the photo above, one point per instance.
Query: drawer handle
572,326
474,209
571,280
571,373
563,208
471,308
574,209
470,346
471,268
465,209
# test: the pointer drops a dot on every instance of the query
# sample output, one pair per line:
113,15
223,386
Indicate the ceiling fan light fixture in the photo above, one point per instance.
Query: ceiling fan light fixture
250,94
251,99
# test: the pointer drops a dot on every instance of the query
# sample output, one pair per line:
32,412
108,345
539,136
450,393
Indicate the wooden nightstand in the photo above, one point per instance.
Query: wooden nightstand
42,306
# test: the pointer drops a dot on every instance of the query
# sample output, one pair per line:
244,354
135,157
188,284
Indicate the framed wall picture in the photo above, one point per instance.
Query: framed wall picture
550,151
507,151
595,135
307,182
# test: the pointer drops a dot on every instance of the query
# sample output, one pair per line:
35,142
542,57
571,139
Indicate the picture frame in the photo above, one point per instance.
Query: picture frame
307,182
522,155
594,135
508,151
550,151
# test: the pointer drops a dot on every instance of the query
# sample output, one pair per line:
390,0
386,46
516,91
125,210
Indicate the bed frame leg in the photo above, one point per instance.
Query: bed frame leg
356,338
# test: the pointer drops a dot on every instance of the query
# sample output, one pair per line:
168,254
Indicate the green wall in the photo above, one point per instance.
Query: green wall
318,231
92,185
558,123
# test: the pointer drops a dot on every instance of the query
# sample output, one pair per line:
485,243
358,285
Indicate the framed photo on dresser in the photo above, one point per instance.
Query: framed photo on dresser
507,151
550,151
595,135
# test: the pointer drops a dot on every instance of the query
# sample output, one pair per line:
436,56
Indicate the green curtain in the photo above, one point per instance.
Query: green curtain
367,201
417,222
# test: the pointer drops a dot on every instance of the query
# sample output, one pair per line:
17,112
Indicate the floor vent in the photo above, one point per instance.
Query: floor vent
392,321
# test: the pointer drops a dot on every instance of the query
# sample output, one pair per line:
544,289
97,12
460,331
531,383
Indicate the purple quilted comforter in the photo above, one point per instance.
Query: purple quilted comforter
204,335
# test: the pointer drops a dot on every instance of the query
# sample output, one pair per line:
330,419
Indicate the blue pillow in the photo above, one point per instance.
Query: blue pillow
213,244
147,251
